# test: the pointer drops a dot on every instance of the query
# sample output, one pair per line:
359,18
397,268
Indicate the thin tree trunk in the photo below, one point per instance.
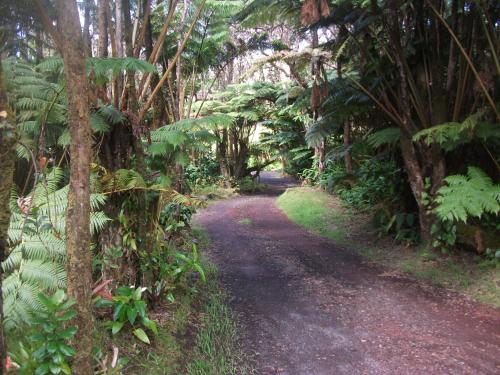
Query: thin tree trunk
7,164
144,29
102,25
347,126
39,46
347,146
319,151
79,259
167,72
119,27
155,53
158,103
119,49
222,156
86,28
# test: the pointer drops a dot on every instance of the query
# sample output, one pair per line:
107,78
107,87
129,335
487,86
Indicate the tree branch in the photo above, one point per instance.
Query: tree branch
172,64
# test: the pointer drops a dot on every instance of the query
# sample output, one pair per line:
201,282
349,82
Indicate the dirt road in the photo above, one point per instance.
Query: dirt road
309,307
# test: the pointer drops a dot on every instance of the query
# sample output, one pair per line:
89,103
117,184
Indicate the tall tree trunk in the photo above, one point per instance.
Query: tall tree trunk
319,151
222,156
38,46
86,28
102,26
159,101
422,162
119,27
347,146
347,123
79,259
7,163
118,83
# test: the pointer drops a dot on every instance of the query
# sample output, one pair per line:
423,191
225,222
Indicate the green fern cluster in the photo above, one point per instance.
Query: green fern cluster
36,260
450,135
467,196
38,97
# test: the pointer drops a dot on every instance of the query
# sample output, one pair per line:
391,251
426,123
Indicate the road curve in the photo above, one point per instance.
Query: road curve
310,307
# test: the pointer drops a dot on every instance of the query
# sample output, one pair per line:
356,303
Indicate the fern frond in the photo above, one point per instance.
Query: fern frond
468,196
452,134
387,136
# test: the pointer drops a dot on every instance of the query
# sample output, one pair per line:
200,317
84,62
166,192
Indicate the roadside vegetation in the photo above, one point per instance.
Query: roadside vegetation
329,216
120,118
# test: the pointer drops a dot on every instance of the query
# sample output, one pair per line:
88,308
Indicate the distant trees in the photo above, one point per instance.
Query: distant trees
421,63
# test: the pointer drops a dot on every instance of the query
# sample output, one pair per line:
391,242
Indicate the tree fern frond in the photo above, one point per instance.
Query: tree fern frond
452,134
111,114
466,196
318,130
387,136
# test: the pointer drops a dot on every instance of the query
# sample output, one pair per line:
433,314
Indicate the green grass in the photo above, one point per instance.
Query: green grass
217,349
315,211
214,192
245,221
323,214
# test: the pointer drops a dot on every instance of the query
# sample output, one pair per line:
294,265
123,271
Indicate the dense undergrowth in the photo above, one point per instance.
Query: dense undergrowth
197,335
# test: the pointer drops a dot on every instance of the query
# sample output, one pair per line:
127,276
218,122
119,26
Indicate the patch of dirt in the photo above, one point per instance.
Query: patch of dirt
309,306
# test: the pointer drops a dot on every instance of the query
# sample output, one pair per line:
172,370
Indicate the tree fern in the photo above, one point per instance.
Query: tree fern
319,129
468,196
262,12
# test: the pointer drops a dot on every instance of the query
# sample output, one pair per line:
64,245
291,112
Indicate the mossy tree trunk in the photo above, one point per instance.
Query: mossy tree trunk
79,259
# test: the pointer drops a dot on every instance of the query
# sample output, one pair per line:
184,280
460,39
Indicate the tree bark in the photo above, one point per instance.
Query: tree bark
222,156
347,126
102,26
7,164
79,259
159,101
38,46
119,27
319,151
347,146
86,28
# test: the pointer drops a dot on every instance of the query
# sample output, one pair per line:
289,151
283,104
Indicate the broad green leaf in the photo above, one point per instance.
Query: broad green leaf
68,333
67,350
43,369
151,325
54,368
131,315
116,327
68,315
141,308
141,335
